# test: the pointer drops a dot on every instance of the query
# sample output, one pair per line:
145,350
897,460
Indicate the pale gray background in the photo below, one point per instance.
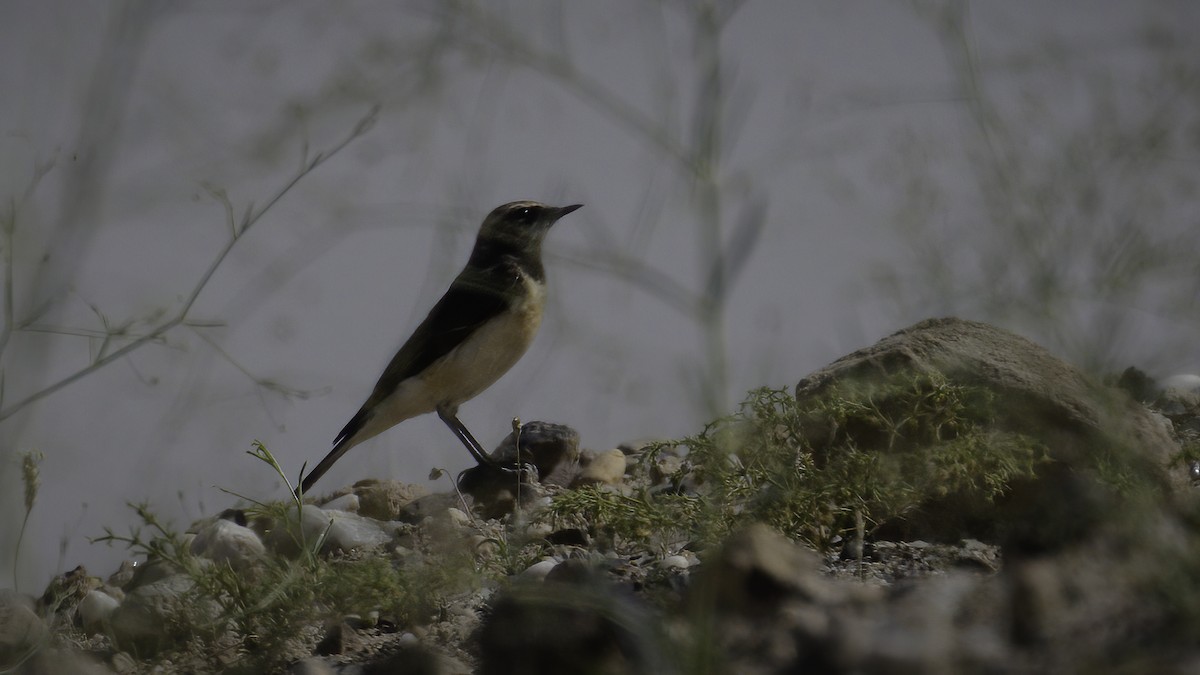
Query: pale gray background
854,125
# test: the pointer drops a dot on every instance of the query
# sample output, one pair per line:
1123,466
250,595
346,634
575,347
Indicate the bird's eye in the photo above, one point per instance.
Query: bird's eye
525,215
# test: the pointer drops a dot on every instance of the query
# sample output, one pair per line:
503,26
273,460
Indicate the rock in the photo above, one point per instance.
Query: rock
1138,384
773,611
123,663
65,591
667,465
124,574
429,506
602,468
496,493
634,451
459,517
675,562
1088,428
551,450
227,542
144,621
1178,403
1036,393
21,630
539,570
757,569
572,571
386,499
348,531
341,530
95,611
568,628
348,502
1183,382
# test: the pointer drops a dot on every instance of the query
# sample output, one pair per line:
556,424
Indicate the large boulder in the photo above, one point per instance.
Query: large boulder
1090,431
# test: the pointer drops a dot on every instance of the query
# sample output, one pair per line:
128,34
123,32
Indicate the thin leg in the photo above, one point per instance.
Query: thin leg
473,446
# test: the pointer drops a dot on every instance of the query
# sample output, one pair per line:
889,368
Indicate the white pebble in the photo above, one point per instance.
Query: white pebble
1183,382
95,610
539,570
675,562
348,502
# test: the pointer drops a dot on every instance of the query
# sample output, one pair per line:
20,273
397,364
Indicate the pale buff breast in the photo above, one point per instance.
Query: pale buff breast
474,365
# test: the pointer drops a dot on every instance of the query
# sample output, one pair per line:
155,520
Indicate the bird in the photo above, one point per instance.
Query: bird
474,334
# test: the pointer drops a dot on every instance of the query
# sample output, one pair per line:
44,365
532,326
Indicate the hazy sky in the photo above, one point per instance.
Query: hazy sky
833,120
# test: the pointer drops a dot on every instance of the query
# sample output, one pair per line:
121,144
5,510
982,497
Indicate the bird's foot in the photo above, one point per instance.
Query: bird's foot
526,472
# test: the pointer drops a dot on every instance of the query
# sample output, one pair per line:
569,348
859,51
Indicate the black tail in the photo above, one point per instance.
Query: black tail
320,469
344,441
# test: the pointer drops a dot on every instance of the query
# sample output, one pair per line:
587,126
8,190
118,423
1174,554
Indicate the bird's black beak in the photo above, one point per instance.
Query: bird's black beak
564,210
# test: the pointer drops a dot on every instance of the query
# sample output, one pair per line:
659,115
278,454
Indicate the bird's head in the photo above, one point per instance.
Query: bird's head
522,225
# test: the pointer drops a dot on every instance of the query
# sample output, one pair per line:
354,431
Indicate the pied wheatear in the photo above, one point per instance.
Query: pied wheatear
472,336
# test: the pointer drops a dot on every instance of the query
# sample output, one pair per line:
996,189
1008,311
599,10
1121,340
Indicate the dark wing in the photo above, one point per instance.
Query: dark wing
475,297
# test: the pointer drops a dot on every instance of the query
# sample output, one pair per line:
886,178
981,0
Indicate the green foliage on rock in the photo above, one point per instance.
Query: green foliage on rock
815,469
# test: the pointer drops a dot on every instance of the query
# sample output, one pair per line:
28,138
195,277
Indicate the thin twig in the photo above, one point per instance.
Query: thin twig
39,172
251,217
637,272
258,381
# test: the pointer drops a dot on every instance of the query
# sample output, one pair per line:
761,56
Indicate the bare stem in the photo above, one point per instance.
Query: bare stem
249,219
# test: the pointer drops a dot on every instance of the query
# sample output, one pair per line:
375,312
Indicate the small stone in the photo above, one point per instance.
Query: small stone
356,621
95,611
675,562
149,572
124,574
757,568
144,620
227,542
68,589
429,506
605,467
538,529
666,466
634,450
123,663
386,499
341,530
459,517
21,631
572,571
347,502
496,493
567,628
1184,382
551,450
539,570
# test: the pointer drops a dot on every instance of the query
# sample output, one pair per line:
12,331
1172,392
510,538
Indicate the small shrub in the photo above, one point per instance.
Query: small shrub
815,469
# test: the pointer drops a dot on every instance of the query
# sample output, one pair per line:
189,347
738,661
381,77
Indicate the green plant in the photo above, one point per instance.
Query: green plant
256,616
816,469
31,480
638,519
